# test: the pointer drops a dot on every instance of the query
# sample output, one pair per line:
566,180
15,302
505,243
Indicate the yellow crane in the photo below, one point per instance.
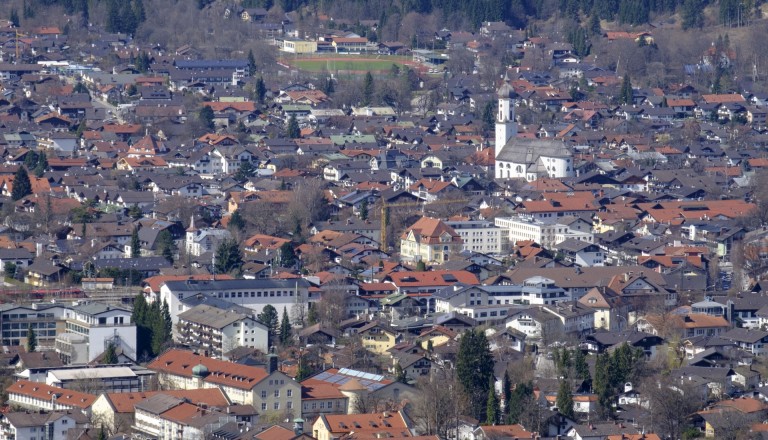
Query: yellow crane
18,49
385,214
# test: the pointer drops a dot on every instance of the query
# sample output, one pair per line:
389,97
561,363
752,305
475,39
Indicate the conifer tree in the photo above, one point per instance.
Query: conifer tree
492,407
580,365
22,186
506,391
626,96
474,368
135,243
368,89
285,328
251,62
31,339
236,221
268,317
293,131
261,90
229,257
565,399
400,375
42,164
110,355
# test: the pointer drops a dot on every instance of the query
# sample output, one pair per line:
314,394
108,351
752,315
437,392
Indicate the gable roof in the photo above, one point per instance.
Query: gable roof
181,362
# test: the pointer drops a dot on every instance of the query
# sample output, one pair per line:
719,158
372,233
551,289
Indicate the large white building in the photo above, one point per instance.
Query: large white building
293,294
213,331
529,159
27,425
481,236
547,234
91,328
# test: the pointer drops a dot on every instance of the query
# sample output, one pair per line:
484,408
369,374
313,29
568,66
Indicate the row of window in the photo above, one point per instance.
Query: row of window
276,405
288,393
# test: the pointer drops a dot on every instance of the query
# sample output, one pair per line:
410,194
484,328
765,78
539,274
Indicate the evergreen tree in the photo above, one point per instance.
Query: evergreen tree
135,243
113,24
30,160
244,171
492,407
594,25
520,399
31,339
304,369
368,89
489,116
287,255
135,212
14,18
251,62
22,187
42,164
364,210
580,365
165,246
261,90
205,116
285,328
268,317
110,355
293,131
229,257
102,435
165,314
474,368
506,391
236,221
328,86
565,399
601,382
626,95
139,317
400,375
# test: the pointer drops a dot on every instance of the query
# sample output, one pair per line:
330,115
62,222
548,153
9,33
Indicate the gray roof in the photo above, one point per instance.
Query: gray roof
213,301
745,335
158,403
94,308
221,285
212,317
521,150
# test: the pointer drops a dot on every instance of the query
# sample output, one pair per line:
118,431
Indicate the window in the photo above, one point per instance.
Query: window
277,393
264,394
264,406
289,405
277,405
289,393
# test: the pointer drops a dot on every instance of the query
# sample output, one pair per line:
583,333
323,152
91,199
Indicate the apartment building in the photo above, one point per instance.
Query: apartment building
481,236
101,378
25,425
547,232
168,417
45,319
254,294
213,331
429,240
91,328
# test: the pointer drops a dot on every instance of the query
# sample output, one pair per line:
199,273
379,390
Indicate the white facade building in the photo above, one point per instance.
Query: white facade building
547,234
293,294
90,328
528,159
481,236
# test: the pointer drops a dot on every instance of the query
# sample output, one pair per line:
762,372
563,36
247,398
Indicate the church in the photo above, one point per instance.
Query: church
523,158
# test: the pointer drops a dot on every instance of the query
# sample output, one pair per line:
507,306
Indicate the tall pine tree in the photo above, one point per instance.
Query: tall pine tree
474,368
285,328
22,186
135,243
565,399
492,406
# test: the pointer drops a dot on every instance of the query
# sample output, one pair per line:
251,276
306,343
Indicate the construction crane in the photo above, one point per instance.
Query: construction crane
422,204
18,49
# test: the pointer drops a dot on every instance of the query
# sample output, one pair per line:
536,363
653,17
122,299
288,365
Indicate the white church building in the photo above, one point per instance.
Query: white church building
523,158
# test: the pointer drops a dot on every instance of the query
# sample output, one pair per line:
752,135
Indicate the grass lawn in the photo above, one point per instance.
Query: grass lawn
361,65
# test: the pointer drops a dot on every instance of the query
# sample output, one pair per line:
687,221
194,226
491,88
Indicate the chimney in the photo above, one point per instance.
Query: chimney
271,363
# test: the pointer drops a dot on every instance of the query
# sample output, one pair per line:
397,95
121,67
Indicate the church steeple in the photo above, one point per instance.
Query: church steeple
506,128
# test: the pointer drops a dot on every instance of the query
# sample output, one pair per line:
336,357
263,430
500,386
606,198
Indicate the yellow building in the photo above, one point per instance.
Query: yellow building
299,46
438,335
377,338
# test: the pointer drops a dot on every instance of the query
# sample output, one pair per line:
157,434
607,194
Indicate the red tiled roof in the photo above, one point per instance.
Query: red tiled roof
180,363
41,391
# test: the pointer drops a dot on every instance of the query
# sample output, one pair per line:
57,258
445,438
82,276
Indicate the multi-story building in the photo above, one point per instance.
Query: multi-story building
481,236
25,425
267,389
45,319
39,396
429,240
552,323
292,294
213,331
166,417
535,290
91,328
546,233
